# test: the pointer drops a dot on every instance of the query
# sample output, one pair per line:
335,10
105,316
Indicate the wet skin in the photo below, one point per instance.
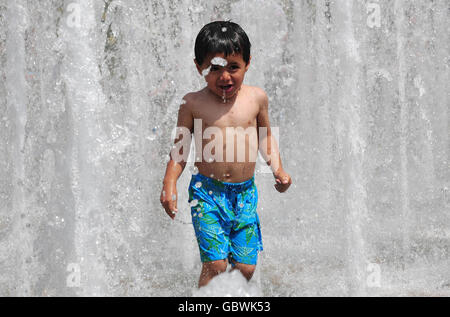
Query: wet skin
245,107
225,102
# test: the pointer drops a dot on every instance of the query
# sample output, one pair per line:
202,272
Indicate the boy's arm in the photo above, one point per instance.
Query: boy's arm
268,146
178,158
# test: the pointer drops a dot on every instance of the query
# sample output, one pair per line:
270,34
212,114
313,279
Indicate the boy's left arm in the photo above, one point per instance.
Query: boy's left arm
268,146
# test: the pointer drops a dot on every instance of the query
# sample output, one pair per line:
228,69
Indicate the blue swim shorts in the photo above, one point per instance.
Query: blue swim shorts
225,220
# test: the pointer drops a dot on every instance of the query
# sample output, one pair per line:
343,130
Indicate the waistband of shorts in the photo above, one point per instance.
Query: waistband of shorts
223,185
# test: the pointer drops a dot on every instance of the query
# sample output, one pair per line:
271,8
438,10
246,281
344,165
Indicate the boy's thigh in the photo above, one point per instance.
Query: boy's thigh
245,244
212,236
210,230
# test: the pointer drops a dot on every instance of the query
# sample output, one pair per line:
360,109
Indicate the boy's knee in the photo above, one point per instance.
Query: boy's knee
246,269
215,267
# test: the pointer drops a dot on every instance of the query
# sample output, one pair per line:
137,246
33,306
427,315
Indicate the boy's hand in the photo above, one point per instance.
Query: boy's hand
282,179
168,198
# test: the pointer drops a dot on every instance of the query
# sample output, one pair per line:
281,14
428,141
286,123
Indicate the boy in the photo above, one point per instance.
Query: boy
223,195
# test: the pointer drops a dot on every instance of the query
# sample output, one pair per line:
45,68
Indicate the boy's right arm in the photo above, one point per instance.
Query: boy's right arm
178,158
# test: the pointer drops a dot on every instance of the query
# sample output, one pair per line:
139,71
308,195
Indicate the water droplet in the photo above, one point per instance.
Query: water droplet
200,215
241,205
153,134
210,192
193,203
224,29
195,170
198,184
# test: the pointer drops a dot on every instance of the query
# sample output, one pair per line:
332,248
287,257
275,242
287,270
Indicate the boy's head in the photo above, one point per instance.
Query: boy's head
222,55
222,37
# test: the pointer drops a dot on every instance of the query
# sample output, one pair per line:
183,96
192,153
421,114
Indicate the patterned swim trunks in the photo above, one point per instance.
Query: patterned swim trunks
225,220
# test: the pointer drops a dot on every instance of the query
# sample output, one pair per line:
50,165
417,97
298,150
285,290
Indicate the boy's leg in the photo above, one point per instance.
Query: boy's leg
246,244
246,269
211,269
245,236
210,229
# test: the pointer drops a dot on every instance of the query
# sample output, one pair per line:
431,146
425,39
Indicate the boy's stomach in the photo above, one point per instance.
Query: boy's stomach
235,172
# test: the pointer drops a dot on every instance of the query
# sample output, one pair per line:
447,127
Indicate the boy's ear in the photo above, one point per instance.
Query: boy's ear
248,64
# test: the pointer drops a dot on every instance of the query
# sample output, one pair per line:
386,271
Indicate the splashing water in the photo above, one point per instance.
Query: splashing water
228,284
206,71
219,61
87,113
194,170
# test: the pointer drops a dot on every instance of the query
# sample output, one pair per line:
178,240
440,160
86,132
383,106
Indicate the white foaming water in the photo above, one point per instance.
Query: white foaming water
206,71
228,284
219,61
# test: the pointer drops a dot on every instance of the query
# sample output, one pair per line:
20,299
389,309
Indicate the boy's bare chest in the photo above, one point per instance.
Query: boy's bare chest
222,116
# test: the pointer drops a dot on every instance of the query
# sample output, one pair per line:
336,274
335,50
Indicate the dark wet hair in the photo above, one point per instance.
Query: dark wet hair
221,37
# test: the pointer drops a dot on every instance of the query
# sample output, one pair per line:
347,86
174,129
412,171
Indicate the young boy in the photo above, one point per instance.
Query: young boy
223,195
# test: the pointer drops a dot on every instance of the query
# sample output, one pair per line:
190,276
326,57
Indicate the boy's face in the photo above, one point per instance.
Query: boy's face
223,81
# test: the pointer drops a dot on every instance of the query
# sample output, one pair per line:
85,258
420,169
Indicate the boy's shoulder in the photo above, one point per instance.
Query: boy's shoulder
193,97
258,94
258,91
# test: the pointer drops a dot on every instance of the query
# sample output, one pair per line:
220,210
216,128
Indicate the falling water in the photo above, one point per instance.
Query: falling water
89,94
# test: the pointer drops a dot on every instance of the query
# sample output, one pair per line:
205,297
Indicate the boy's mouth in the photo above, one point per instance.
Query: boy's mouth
226,88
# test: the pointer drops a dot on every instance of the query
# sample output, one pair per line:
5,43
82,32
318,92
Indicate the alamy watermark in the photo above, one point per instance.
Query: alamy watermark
373,278
373,15
74,277
242,144
74,17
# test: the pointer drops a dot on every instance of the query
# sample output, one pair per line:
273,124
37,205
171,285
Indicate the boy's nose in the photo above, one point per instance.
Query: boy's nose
225,76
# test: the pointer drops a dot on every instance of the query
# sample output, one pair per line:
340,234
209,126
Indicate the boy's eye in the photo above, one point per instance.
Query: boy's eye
214,68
